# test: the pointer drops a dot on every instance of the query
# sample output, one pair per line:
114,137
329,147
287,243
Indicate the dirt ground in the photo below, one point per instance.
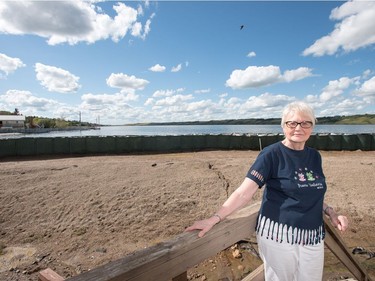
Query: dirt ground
74,214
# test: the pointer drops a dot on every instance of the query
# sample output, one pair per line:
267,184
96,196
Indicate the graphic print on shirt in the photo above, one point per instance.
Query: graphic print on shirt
305,178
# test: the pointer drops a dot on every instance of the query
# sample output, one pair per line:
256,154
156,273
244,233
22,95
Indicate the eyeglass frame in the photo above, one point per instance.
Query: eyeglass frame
310,124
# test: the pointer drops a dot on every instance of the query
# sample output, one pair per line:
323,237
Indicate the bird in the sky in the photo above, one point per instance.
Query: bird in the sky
242,26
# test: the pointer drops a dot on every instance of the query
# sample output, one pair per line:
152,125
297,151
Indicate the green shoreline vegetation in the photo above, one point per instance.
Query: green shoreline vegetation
42,122
362,119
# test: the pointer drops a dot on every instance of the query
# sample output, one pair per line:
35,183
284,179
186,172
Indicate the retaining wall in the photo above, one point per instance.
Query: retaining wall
162,144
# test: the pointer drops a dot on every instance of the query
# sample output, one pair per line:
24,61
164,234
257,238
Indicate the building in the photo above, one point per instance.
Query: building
12,121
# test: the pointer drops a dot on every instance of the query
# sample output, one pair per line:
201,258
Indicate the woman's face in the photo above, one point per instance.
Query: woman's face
297,135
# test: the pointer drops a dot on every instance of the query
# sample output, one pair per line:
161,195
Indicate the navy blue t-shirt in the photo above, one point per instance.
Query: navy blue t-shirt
294,191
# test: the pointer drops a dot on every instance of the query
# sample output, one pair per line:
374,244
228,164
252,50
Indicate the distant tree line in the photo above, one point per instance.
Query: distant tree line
43,122
360,119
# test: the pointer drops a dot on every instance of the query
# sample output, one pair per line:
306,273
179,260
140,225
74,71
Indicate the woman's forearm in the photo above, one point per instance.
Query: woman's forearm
238,199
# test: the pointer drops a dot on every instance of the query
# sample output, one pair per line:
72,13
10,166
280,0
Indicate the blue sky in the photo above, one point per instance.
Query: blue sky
155,61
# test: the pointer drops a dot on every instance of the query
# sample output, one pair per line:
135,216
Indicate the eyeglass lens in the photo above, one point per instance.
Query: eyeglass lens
294,124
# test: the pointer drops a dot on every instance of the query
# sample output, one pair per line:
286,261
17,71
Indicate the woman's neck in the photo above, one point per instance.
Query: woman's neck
293,145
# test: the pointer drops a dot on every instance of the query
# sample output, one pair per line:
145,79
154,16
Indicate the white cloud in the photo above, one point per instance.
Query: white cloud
9,65
56,79
251,54
157,68
336,88
177,68
267,101
356,29
367,73
69,21
149,102
173,100
166,93
104,100
28,103
254,76
258,76
296,74
367,90
339,107
137,28
123,81
203,91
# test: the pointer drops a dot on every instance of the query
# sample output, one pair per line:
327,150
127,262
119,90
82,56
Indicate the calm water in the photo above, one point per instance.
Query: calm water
196,130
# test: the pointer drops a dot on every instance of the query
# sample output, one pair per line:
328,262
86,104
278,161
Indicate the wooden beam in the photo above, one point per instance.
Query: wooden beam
171,258
256,275
181,277
49,275
337,246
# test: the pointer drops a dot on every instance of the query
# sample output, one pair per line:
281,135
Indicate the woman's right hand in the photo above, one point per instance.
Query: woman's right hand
203,225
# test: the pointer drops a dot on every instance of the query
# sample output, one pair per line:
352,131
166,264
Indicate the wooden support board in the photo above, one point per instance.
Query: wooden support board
49,275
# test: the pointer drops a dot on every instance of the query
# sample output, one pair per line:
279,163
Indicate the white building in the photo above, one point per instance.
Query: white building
12,121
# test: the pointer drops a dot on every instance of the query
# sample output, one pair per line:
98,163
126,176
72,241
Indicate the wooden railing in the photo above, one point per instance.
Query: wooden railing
171,259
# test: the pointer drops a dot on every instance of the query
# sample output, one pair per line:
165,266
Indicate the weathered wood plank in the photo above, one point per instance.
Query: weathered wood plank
337,246
171,258
49,275
181,277
256,275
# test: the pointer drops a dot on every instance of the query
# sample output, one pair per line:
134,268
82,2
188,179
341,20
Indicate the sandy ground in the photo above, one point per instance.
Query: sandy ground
74,214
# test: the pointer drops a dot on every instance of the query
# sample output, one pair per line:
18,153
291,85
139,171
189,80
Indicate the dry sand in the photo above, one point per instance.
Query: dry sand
74,214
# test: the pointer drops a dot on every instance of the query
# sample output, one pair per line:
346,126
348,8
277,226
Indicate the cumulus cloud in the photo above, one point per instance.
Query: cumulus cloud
258,76
336,88
9,65
157,68
267,101
141,31
173,100
28,102
123,81
177,68
117,99
367,90
55,79
251,54
296,74
355,30
203,91
70,21
166,93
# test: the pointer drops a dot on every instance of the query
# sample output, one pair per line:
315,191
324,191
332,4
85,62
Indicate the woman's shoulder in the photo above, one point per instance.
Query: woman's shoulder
272,148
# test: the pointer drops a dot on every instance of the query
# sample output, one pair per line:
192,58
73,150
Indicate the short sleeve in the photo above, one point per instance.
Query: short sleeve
261,169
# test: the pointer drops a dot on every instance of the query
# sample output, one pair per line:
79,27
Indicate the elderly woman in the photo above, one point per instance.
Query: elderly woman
290,227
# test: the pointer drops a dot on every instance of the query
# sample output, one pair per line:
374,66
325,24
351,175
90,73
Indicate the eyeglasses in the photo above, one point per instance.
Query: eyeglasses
303,124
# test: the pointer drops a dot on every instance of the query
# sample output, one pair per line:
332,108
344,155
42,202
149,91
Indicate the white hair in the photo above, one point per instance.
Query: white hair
300,107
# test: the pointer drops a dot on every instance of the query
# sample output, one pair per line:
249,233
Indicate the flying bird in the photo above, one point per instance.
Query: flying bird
242,26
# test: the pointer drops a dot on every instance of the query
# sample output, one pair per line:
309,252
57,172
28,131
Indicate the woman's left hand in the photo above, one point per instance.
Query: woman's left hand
339,221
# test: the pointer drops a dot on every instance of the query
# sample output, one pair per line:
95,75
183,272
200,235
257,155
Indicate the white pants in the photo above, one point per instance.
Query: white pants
287,262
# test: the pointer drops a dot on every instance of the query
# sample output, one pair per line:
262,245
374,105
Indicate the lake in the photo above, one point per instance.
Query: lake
194,130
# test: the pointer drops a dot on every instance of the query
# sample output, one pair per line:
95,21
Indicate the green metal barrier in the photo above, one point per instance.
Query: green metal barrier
334,142
25,147
162,144
61,145
8,147
350,142
44,146
99,144
77,146
365,141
